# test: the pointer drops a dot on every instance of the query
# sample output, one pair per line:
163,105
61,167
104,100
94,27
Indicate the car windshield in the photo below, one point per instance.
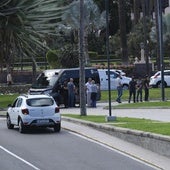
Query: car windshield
44,81
40,102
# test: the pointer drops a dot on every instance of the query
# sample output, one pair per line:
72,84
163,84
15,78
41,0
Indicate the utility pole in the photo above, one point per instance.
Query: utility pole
83,111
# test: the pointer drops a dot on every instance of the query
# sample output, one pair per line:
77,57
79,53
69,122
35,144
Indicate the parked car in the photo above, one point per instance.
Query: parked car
155,80
103,74
33,111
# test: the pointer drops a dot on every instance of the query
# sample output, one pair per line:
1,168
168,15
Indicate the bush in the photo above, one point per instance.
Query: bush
93,55
53,58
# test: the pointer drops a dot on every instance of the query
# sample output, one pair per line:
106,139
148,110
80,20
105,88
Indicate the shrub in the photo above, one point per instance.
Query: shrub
53,58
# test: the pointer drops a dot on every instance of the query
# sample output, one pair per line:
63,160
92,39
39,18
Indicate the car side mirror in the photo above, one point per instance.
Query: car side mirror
9,105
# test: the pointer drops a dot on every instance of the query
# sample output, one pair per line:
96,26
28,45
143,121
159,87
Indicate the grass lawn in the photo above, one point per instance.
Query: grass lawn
131,123
7,99
154,94
148,105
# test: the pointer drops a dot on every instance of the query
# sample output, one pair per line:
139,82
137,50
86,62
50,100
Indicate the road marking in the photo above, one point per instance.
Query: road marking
14,155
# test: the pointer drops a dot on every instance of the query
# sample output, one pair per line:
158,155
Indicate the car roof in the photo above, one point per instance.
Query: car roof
28,96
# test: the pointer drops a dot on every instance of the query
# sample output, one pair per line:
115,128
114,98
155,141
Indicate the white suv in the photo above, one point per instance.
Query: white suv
155,80
33,110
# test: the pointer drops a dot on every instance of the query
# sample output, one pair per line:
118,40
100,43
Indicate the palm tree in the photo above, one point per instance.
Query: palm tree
93,21
23,26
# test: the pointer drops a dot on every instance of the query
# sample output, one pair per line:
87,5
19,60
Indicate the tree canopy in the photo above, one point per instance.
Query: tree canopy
24,24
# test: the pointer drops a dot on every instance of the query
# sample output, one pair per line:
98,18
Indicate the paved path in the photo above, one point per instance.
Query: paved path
153,114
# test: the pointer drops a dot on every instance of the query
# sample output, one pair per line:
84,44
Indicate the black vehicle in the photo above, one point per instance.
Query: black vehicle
52,81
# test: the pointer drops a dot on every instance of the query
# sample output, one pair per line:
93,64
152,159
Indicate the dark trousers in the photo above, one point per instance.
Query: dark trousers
146,94
119,93
139,95
93,99
132,92
71,99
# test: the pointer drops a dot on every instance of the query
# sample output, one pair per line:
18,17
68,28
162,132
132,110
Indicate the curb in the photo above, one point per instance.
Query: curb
157,143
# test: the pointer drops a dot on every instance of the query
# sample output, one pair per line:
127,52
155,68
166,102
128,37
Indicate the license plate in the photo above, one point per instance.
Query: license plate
43,121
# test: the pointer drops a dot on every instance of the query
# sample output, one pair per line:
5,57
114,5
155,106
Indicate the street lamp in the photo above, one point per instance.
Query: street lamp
110,117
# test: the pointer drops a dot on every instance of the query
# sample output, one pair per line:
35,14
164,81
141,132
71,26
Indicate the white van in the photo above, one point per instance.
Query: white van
103,75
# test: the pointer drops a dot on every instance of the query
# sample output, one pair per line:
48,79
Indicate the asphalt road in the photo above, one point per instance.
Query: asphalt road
42,149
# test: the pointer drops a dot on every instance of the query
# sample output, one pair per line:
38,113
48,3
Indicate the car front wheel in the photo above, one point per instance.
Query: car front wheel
21,126
9,124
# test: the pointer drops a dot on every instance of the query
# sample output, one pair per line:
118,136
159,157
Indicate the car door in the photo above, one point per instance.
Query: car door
167,77
103,80
113,80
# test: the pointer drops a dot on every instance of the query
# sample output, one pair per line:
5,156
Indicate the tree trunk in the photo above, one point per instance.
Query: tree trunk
86,53
122,23
136,9
82,62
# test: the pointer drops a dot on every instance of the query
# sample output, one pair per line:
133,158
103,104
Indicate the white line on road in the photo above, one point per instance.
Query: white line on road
14,155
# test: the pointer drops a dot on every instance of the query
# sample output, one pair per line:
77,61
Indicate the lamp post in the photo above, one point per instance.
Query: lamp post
110,117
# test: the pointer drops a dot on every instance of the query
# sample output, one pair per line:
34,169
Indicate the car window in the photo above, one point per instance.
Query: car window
112,74
19,102
167,73
40,102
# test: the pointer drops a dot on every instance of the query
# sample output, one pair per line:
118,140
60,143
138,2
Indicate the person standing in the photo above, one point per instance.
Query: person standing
93,94
146,88
71,93
65,94
139,89
132,90
119,89
88,91
9,79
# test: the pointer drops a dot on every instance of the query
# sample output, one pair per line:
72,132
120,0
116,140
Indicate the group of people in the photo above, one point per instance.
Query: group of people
70,93
135,89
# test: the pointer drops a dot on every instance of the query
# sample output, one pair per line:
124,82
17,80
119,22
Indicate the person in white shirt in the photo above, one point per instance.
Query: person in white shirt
9,79
93,94
88,91
119,89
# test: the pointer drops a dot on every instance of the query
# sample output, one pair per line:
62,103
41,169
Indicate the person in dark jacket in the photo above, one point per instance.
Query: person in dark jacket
139,89
132,89
71,93
146,88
